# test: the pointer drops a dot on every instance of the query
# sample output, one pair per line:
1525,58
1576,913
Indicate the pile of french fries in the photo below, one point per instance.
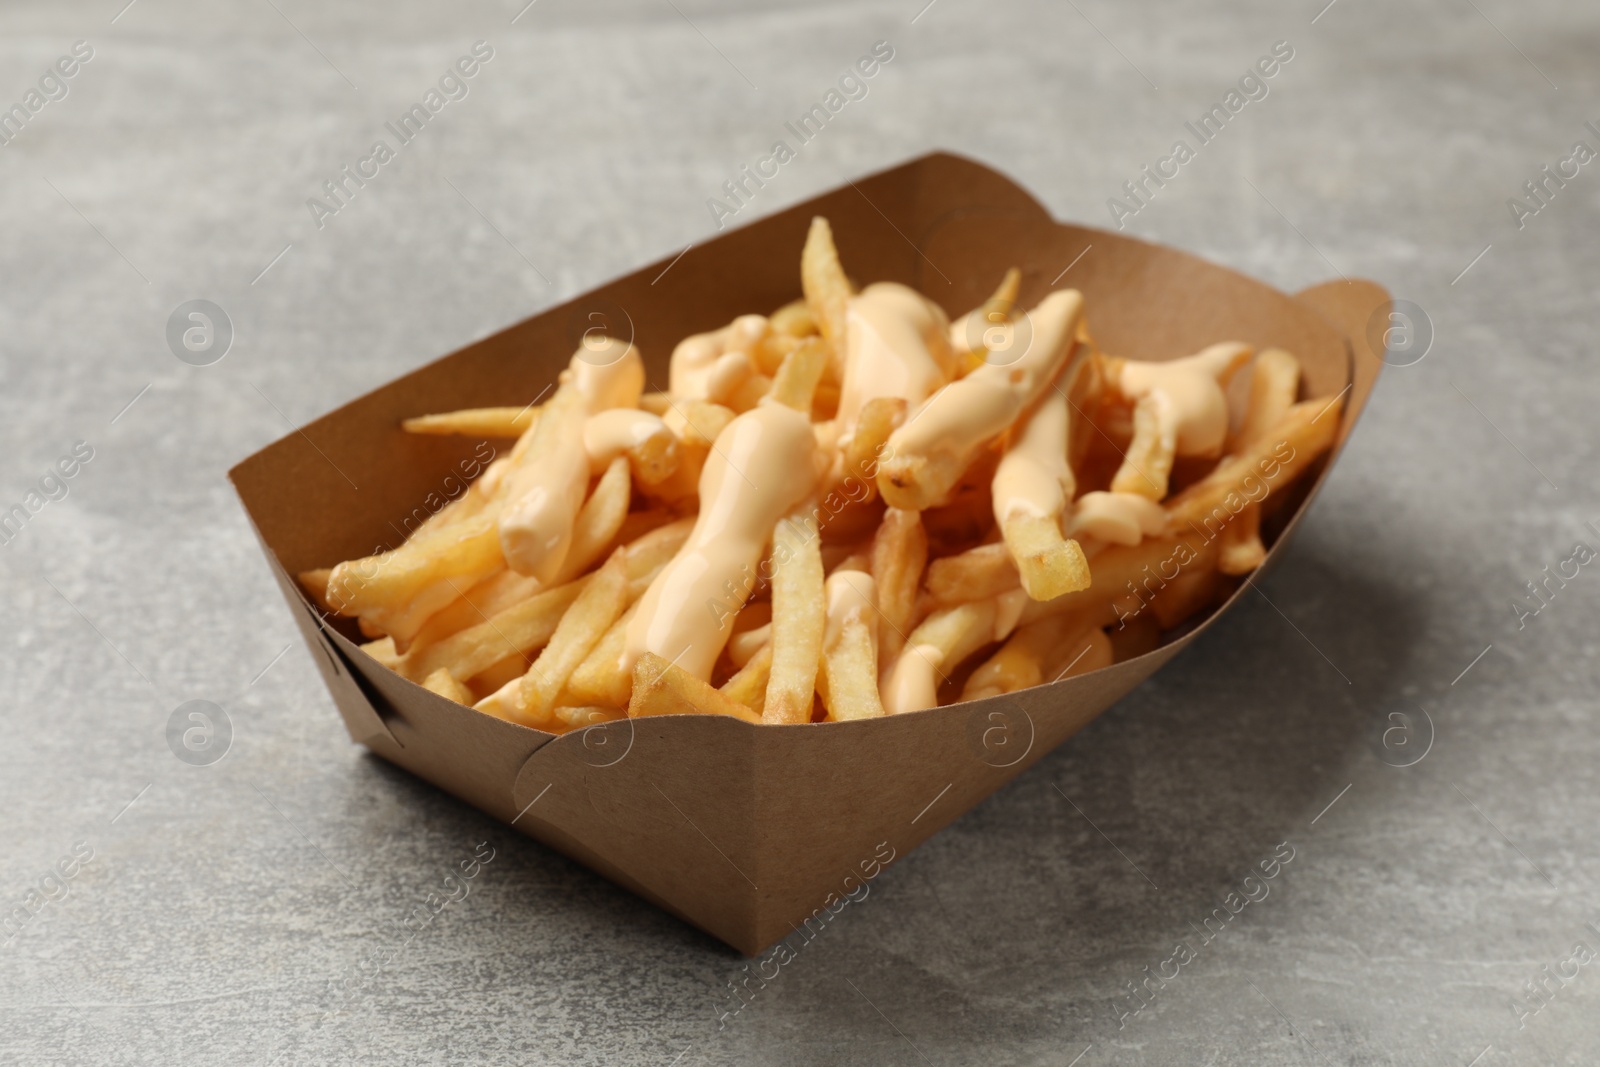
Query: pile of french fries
847,509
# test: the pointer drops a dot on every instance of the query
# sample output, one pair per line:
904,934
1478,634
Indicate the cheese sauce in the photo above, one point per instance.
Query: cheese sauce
966,413
914,682
897,344
762,465
1117,518
544,495
1033,477
1193,388
608,434
850,597
712,366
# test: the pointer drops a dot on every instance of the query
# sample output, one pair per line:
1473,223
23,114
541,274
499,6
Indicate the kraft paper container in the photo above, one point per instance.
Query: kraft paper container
745,830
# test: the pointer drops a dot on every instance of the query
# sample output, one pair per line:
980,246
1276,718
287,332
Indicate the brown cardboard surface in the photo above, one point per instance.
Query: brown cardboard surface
744,830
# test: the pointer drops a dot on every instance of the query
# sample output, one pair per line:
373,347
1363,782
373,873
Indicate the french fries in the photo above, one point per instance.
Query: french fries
599,520
662,688
1274,382
513,632
827,290
749,685
848,684
797,378
938,646
1180,409
581,627
899,554
597,680
1025,660
831,546
799,612
1032,487
476,422
879,418
927,456
444,683
976,574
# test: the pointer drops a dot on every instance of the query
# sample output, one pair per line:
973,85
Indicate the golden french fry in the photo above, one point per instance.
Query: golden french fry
995,311
928,455
1004,298
456,542
752,628
315,585
656,403
1148,463
698,421
639,523
1166,395
662,688
652,448
498,675
652,551
598,520
598,680
1241,550
382,650
581,628
879,418
655,458
697,424
1049,564
772,349
797,378
400,590
1085,391
976,574
848,682
826,288
794,319
1266,464
1032,487
749,685
750,393
936,648
1274,383
494,594
899,554
798,614
1189,593
679,489
516,631
1127,578
443,682
476,422
504,702
742,647
1021,662
576,718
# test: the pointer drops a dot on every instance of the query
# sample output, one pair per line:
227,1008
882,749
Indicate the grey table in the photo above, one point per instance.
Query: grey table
250,911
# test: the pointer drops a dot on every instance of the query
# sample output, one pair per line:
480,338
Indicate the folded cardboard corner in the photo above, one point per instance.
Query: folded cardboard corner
749,831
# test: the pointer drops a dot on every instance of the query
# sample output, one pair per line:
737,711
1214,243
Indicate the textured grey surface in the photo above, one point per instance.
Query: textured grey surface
223,903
